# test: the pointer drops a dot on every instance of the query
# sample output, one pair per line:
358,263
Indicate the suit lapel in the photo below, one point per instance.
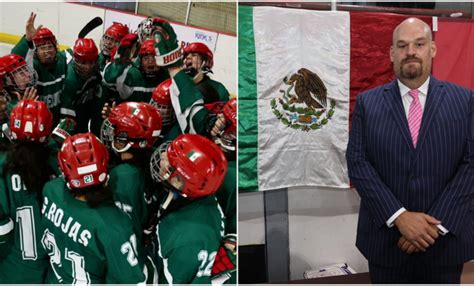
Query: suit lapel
395,105
435,97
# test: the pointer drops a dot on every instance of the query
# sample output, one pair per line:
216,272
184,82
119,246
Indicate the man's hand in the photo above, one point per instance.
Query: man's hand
107,109
407,246
4,100
418,228
219,125
30,93
30,30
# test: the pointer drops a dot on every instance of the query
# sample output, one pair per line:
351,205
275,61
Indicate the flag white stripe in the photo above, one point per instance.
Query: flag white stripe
287,40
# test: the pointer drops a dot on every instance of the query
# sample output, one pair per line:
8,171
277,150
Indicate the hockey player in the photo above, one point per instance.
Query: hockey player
131,130
40,49
224,131
188,103
82,90
110,40
6,224
4,100
88,239
129,81
160,98
198,62
18,81
25,168
16,75
224,134
190,222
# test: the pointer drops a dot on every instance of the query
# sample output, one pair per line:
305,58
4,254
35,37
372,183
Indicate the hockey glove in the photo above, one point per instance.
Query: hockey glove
224,263
168,51
64,129
128,48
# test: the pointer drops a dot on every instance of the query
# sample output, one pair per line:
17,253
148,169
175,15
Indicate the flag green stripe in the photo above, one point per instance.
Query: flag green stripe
248,129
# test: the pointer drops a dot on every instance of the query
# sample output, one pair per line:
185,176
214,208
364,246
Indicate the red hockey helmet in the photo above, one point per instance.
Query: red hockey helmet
10,62
147,48
201,49
137,124
147,55
85,57
16,74
117,31
197,166
44,36
112,37
161,99
83,159
85,50
31,120
161,94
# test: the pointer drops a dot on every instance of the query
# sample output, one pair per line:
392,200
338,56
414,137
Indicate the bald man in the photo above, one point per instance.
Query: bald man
410,157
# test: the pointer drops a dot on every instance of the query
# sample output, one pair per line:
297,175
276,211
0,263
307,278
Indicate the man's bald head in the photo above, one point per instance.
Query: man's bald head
412,23
412,52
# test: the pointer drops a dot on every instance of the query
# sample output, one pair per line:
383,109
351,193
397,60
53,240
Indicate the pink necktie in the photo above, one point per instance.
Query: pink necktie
415,114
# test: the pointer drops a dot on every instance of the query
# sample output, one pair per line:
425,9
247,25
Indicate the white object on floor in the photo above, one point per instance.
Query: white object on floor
330,270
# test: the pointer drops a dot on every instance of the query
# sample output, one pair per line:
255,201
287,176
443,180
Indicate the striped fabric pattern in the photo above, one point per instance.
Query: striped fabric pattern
415,114
436,177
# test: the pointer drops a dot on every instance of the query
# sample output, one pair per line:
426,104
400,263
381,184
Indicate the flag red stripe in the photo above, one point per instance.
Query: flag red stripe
454,61
371,38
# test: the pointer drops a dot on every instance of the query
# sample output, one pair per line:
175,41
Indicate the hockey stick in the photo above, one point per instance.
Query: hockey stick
94,23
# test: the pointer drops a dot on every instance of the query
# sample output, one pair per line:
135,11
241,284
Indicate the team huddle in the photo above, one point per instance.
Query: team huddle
118,165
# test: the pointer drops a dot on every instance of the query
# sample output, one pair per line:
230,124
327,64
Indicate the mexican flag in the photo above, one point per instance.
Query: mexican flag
299,74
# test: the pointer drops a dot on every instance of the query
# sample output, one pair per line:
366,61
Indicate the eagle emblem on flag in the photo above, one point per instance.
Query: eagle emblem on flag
307,108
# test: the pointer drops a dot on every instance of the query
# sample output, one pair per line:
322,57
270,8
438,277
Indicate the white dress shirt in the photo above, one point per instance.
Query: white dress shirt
407,99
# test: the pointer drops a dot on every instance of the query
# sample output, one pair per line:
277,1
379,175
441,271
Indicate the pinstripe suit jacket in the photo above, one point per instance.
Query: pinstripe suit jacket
436,177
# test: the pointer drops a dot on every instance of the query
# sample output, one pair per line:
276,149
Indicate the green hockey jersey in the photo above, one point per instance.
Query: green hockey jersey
188,240
127,83
227,198
50,82
27,261
128,185
188,105
6,227
103,59
212,90
88,245
84,99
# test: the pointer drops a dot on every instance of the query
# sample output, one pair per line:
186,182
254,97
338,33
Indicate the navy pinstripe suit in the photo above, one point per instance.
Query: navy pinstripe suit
435,178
